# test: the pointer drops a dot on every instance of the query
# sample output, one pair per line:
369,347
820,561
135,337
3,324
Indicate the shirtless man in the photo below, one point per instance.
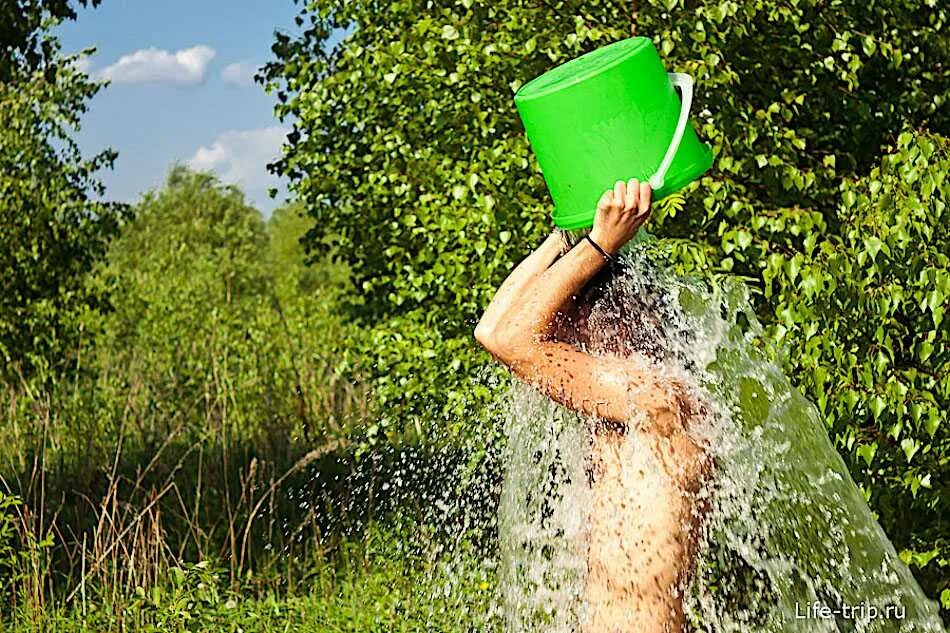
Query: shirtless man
645,467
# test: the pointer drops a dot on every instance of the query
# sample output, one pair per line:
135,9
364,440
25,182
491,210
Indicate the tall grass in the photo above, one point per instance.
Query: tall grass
106,505
197,528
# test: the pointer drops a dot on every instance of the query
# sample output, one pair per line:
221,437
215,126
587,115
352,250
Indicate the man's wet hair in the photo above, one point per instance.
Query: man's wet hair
630,307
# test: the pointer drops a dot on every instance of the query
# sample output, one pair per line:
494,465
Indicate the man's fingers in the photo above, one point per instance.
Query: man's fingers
620,192
633,191
646,196
606,199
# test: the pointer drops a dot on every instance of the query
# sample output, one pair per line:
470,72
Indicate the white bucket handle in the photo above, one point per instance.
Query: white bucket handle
685,83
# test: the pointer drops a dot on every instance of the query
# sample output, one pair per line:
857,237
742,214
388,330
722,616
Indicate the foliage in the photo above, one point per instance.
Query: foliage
211,323
54,227
186,275
191,599
861,315
201,409
853,74
8,553
194,248
24,45
408,155
372,586
286,226
24,554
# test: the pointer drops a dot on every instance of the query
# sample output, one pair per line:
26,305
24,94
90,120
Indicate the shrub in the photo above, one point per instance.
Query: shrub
409,155
861,317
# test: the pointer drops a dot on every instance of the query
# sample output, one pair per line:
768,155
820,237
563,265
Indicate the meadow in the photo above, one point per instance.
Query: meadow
214,420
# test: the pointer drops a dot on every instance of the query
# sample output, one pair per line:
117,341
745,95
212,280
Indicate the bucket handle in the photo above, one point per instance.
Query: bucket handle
685,83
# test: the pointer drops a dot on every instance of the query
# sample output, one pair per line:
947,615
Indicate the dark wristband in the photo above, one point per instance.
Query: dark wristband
607,256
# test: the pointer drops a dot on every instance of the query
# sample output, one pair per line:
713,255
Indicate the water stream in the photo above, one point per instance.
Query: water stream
788,543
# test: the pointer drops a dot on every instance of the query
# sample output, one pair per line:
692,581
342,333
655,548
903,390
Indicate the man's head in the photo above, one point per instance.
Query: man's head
627,309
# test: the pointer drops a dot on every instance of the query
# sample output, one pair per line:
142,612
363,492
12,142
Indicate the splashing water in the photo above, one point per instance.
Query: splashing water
788,542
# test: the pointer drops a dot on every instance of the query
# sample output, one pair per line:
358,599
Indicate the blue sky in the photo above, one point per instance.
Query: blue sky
181,89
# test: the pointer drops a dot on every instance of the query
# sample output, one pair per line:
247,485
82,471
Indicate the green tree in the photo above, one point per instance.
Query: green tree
287,227
55,228
217,321
409,156
24,42
796,97
187,274
862,315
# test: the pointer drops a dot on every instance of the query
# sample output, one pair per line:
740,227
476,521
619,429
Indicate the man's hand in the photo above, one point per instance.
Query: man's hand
620,213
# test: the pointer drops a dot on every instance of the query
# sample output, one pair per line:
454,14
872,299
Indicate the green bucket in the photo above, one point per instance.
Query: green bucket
611,114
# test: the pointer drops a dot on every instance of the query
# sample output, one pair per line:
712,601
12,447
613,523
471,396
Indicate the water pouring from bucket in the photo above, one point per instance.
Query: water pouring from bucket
660,474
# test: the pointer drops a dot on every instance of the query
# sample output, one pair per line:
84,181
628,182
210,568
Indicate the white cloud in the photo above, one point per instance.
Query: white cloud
241,157
239,74
154,65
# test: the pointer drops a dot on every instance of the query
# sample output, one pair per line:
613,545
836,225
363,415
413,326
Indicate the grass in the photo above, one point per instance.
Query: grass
220,531
365,590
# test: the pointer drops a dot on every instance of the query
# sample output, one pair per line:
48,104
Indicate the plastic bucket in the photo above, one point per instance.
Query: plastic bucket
611,114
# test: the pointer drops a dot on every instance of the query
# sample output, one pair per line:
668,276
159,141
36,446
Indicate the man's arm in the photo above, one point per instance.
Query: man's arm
602,386
515,285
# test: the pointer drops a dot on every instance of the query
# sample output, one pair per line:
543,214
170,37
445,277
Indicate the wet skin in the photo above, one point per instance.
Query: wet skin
645,468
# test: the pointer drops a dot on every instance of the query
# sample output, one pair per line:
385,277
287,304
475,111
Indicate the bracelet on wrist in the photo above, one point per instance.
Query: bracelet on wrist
607,256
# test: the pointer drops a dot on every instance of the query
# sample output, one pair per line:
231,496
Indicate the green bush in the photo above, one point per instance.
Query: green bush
408,154
861,316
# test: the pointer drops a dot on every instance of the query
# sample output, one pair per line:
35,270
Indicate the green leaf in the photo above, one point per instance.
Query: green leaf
449,32
933,421
867,452
877,406
873,246
910,448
